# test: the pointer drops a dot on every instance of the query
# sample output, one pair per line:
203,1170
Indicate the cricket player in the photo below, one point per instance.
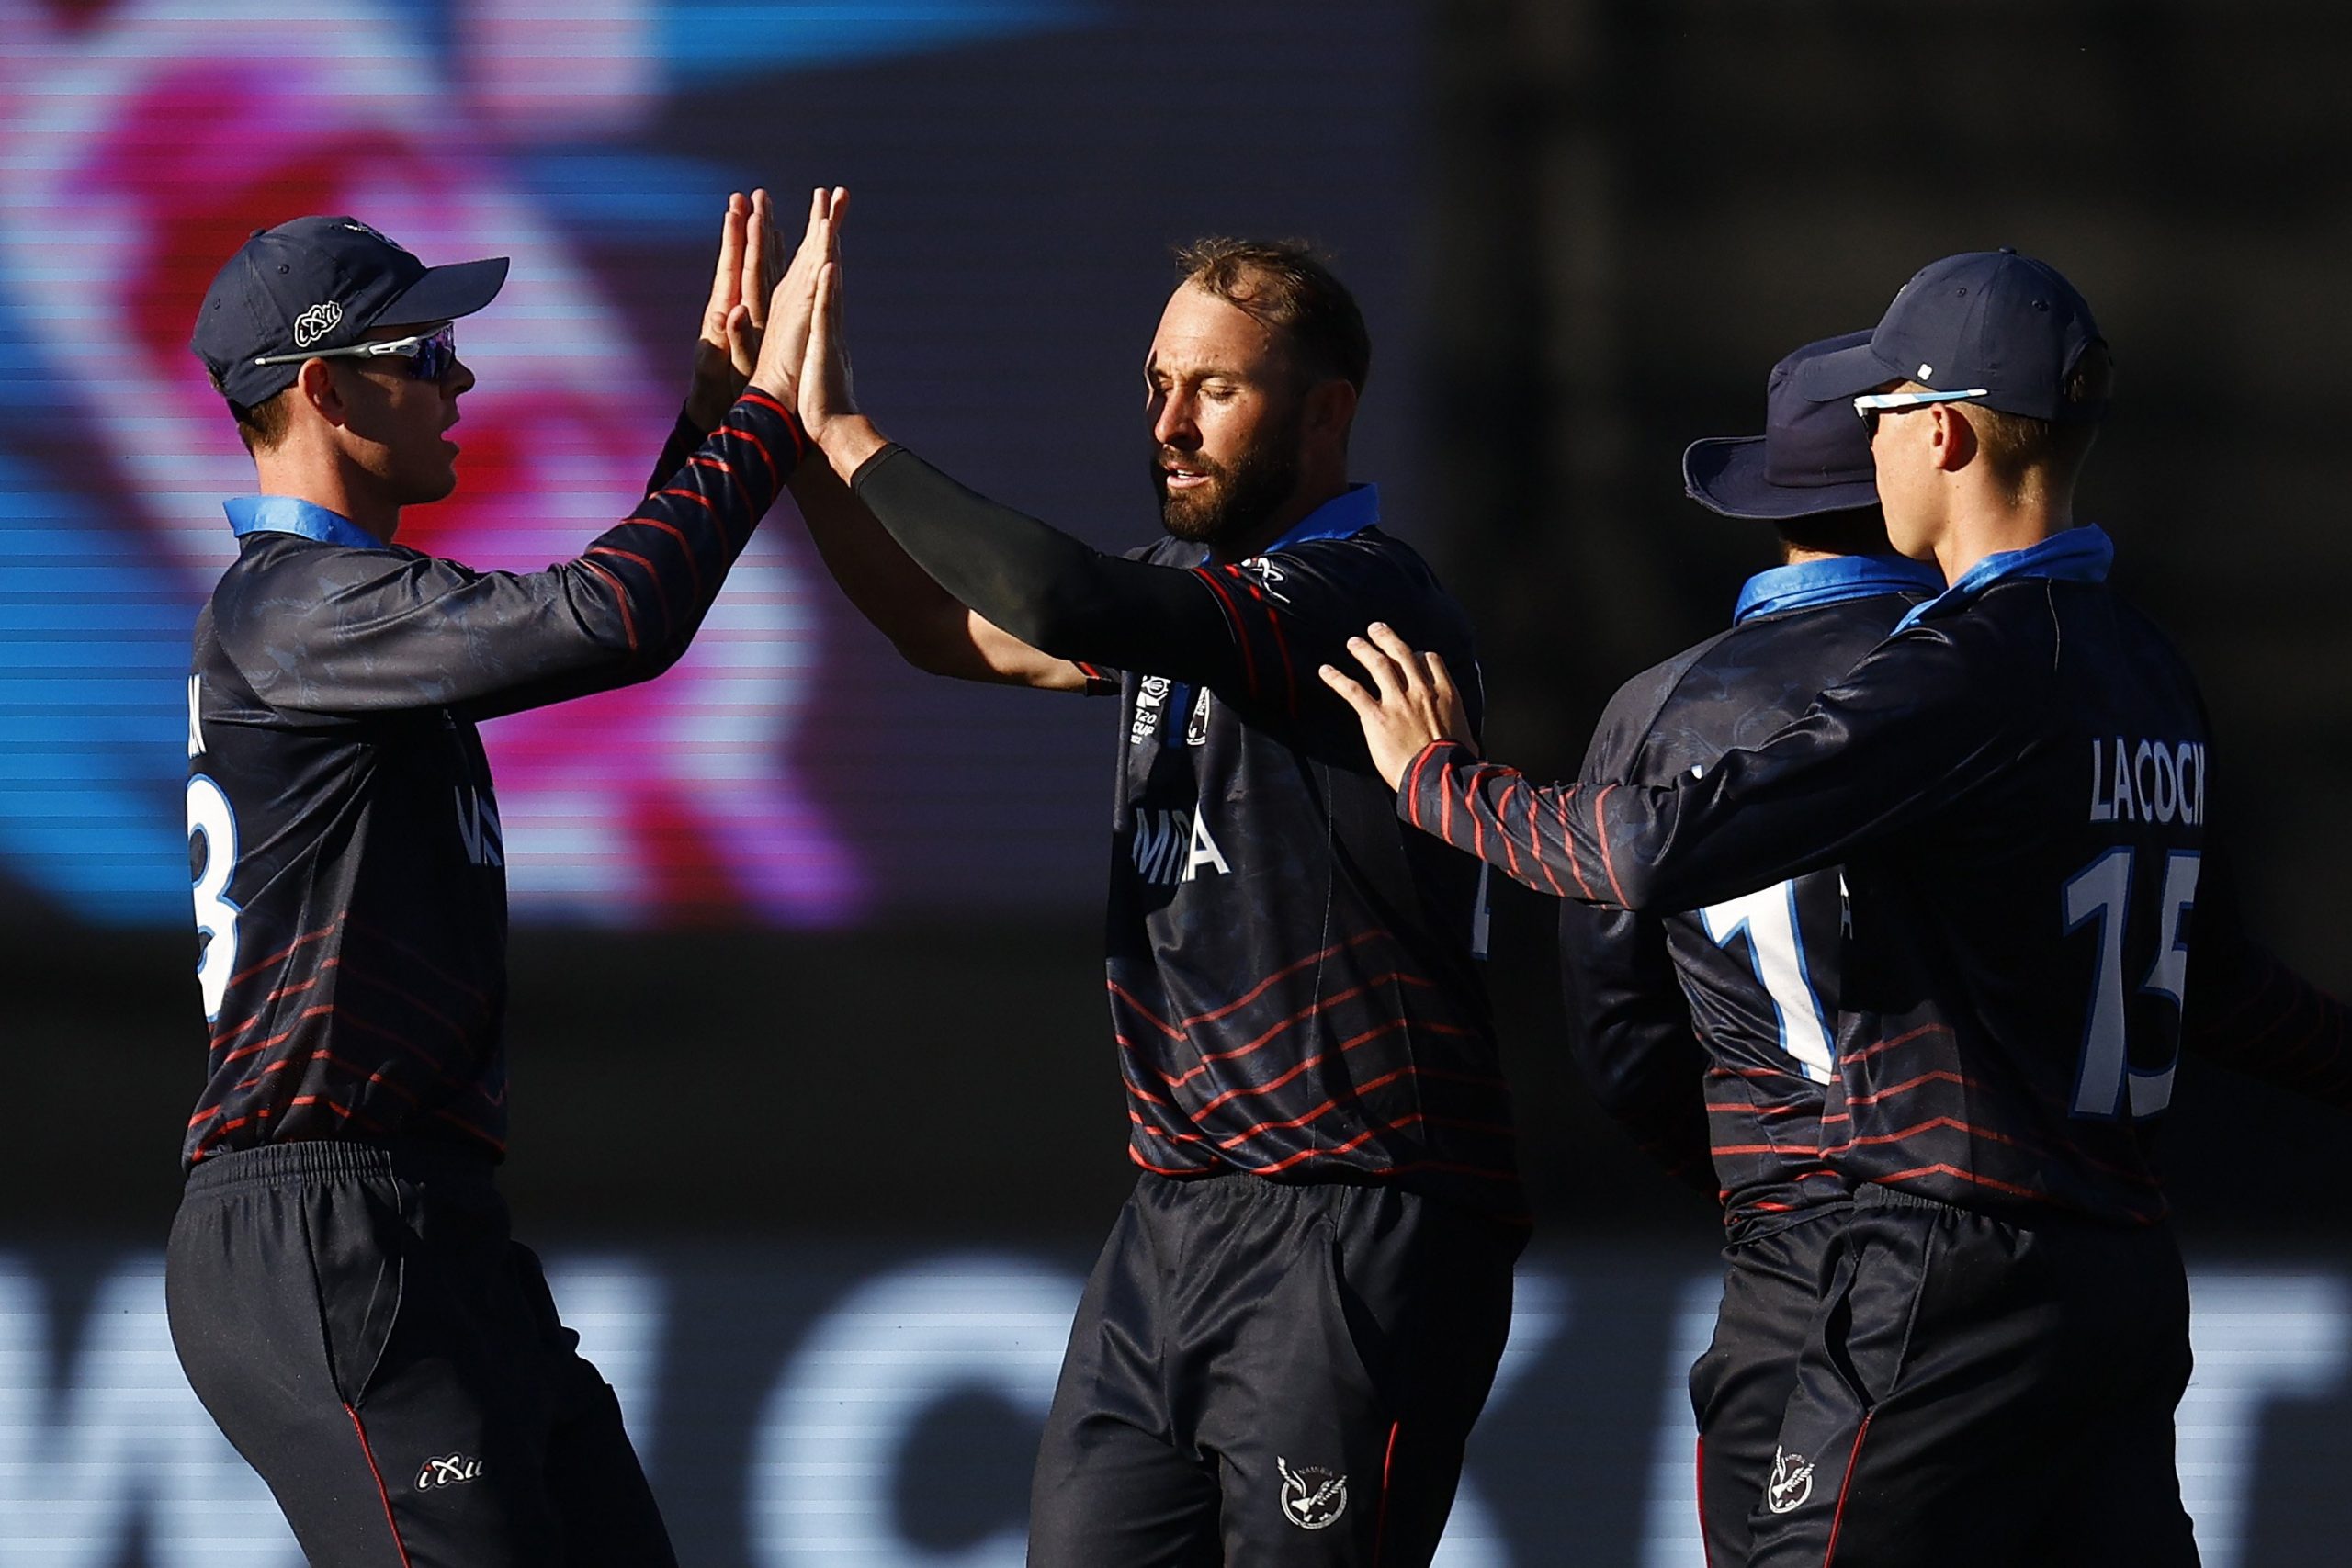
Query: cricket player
2019,785
344,1290
1298,1315
1711,1033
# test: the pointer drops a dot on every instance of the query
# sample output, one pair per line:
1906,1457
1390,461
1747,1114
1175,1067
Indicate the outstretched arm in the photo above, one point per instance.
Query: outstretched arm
967,587
923,620
1905,732
392,629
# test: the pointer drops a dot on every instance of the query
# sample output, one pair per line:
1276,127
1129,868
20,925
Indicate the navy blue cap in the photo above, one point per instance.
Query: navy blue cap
320,283
1991,319
1812,457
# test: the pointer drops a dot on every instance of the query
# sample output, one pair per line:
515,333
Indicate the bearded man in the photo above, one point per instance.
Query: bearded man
1297,1316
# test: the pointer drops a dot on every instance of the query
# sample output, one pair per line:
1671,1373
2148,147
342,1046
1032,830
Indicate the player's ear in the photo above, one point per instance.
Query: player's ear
1330,410
317,386
1953,440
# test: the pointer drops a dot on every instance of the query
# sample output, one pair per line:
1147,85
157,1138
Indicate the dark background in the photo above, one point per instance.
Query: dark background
1582,232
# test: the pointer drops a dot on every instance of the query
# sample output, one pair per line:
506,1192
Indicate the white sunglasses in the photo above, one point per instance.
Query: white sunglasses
429,355
1869,405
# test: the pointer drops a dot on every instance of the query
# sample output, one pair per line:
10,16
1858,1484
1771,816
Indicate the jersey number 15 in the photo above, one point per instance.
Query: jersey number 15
2100,896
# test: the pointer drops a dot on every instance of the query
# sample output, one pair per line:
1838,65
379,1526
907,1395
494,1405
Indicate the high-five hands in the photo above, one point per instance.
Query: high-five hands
785,342
1416,702
827,407
737,312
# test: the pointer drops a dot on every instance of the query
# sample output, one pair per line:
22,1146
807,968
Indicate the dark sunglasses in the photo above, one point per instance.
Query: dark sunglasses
429,355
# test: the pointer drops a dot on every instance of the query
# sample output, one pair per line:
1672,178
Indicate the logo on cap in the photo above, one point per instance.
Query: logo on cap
316,322
377,235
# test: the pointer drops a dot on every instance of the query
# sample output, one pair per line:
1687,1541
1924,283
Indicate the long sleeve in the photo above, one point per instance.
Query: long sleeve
341,633
1629,1032
1054,593
1911,728
1251,631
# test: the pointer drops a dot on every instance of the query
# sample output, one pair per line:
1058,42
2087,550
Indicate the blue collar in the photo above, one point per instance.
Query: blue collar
1343,516
1809,584
2076,554
287,514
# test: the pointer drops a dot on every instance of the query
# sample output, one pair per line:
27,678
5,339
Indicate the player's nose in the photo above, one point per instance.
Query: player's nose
1172,425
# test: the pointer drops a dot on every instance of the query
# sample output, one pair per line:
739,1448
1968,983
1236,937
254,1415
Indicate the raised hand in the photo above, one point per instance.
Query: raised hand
1415,703
826,393
793,301
736,317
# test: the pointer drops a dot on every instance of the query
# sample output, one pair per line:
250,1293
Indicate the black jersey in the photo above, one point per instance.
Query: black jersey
1291,974
1756,976
350,880
2017,785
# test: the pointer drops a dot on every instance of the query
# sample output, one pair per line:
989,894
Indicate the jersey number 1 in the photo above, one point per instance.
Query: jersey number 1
1777,950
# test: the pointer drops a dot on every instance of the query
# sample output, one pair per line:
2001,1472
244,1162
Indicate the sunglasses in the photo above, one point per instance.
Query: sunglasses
1869,405
429,355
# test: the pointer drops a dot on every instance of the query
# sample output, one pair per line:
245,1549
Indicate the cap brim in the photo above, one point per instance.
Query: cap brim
445,293
1726,475
1849,373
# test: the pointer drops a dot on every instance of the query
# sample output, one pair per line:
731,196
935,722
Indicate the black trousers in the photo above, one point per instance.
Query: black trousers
1974,1390
1740,1388
1270,1375
372,1338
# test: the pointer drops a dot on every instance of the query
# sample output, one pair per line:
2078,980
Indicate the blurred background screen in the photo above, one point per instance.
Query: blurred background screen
1020,170
831,1272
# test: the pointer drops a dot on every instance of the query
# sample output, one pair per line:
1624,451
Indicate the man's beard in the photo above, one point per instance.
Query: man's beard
1237,499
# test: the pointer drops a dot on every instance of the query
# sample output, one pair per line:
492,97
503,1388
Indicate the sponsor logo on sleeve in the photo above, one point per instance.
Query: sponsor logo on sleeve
1268,575
1151,696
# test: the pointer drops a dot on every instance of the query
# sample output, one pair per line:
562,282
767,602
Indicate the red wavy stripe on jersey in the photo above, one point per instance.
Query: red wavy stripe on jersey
685,545
1177,1032
1240,632
1274,630
620,597
1600,831
757,445
650,568
1213,1058
293,989
283,953
792,426
1939,1076
1866,1052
